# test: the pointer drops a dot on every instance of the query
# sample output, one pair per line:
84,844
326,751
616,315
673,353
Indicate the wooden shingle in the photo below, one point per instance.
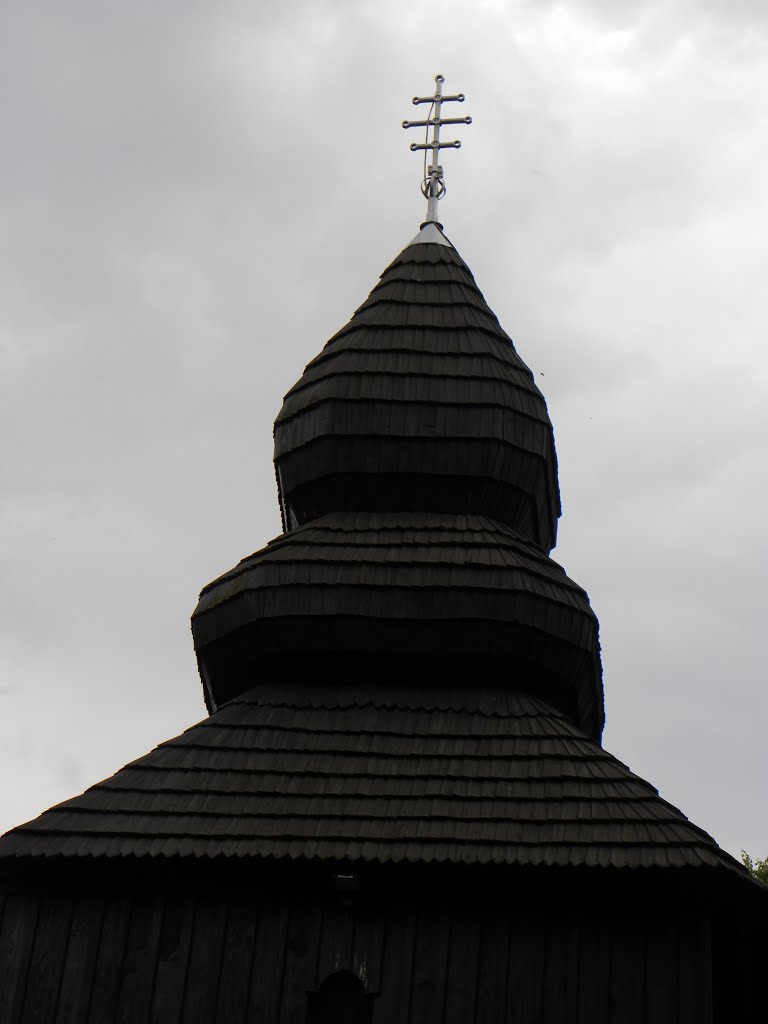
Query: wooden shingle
406,775
402,585
401,406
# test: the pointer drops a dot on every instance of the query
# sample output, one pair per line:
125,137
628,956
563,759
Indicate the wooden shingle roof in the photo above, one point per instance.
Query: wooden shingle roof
420,403
403,775
404,676
402,585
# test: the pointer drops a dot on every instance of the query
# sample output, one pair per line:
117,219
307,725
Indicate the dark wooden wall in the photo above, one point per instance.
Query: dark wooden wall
239,956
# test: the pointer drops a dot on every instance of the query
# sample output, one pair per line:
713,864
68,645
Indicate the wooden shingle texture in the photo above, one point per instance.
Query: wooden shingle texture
403,584
420,403
404,775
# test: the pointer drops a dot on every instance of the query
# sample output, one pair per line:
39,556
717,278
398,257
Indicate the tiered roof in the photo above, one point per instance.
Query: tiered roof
404,675
417,476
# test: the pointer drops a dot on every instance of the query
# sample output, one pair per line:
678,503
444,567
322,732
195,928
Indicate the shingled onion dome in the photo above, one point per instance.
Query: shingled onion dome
418,481
420,404
371,598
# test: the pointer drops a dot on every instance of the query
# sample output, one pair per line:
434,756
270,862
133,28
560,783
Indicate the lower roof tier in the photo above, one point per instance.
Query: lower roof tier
409,775
370,598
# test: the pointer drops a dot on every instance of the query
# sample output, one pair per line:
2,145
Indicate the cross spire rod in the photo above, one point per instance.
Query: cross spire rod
433,185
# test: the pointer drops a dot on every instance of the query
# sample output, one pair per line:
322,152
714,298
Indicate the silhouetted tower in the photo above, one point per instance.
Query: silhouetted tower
399,808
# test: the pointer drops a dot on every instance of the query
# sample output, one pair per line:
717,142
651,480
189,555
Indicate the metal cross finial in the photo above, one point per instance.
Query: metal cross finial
433,186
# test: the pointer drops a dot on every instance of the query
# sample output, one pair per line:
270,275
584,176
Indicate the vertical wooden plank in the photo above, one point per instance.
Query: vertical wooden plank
561,976
595,971
206,952
493,958
695,972
109,962
738,986
336,944
16,941
430,966
173,958
525,973
397,966
368,949
463,966
140,960
47,961
4,895
301,959
572,962
239,941
628,970
268,964
79,978
661,970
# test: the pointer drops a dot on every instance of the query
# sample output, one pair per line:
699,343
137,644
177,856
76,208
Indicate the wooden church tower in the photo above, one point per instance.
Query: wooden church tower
399,809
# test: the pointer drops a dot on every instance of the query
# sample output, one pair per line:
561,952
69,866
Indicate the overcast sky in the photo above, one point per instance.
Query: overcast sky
195,196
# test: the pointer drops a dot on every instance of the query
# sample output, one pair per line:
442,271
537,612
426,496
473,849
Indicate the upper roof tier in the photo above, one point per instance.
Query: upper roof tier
420,404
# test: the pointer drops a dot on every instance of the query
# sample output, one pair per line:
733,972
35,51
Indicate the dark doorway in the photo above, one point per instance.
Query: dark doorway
341,999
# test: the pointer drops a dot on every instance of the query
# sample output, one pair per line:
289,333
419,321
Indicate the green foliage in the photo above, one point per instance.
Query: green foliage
757,868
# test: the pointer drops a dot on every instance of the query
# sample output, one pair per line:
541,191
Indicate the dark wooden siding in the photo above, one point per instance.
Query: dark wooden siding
172,956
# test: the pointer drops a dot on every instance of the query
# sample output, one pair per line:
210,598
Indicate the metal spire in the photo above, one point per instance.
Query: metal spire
433,185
